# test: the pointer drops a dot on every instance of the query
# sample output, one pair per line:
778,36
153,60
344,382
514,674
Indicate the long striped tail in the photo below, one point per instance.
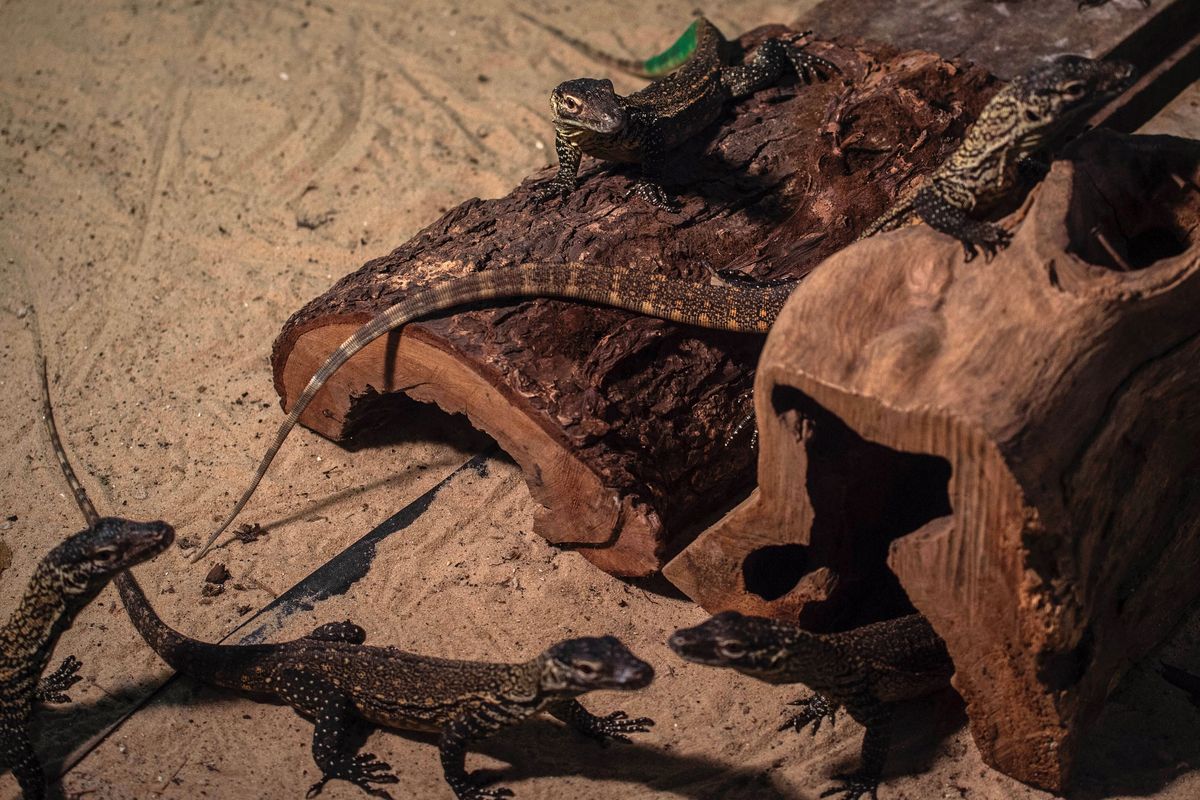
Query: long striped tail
81,496
179,651
734,307
655,66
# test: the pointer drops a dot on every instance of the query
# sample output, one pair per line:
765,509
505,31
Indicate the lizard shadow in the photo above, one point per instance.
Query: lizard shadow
541,747
63,733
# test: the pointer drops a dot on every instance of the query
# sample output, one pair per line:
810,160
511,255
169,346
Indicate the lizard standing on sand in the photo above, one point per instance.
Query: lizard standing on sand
331,677
866,670
590,117
66,580
987,167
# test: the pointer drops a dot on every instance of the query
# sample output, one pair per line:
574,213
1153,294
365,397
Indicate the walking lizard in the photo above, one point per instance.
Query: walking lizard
65,581
590,117
866,670
738,306
987,167
331,677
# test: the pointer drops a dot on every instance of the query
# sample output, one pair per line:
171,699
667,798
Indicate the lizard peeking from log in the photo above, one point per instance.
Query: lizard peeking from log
331,677
590,117
65,581
865,670
988,167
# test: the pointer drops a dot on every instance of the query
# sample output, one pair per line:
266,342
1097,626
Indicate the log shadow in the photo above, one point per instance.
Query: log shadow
1148,734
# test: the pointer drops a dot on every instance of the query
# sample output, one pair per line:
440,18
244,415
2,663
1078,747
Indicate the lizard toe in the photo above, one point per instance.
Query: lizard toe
853,787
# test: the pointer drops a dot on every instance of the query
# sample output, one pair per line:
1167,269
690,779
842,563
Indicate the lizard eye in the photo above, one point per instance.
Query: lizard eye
1032,116
571,104
585,669
732,650
106,556
1073,90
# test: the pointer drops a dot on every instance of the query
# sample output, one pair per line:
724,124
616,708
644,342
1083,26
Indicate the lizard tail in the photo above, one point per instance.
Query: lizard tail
735,307
655,66
81,496
174,648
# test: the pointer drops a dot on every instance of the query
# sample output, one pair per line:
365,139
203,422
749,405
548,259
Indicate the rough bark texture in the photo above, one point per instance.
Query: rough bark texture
620,421
1016,440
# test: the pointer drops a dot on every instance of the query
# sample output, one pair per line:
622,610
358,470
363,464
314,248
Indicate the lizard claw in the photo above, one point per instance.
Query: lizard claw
480,793
53,687
653,194
617,724
364,770
556,187
806,64
612,728
814,710
852,787
991,239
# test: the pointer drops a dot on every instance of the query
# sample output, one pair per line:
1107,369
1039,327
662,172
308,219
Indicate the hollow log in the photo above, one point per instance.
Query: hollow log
620,422
1013,447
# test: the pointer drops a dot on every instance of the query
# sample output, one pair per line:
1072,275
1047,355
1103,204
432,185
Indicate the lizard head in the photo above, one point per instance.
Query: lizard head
591,663
1046,99
753,645
88,560
588,104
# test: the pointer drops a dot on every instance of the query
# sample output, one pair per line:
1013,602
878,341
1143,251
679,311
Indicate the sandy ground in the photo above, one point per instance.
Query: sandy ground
176,179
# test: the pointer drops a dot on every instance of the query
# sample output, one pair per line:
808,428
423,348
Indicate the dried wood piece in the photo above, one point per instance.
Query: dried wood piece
1015,440
618,421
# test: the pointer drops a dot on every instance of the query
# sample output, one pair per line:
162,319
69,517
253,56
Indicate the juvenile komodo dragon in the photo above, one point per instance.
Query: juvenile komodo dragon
331,677
644,127
1023,118
866,670
65,581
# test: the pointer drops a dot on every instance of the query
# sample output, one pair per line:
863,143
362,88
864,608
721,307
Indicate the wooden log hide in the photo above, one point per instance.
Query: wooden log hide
620,422
1012,446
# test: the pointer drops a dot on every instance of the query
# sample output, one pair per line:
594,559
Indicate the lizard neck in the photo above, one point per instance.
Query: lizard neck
802,657
34,628
621,145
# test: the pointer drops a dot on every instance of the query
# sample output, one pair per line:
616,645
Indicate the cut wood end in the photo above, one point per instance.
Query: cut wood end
575,509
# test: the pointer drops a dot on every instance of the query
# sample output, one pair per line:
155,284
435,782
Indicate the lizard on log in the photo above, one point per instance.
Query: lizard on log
739,306
866,670
990,164
331,677
1059,90
590,117
65,581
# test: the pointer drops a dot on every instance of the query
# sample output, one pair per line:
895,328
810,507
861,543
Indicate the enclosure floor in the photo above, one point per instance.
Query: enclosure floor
176,179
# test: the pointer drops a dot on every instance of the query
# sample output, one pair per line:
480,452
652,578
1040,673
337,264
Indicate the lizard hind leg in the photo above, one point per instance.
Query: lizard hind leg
333,716
771,59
